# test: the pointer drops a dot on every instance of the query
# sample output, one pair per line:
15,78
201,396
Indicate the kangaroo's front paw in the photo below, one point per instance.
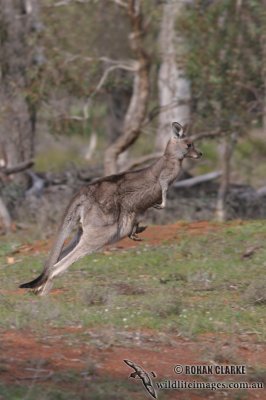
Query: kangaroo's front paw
159,206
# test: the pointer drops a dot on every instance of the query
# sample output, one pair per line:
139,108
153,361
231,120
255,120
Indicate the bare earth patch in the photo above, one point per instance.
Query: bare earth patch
153,235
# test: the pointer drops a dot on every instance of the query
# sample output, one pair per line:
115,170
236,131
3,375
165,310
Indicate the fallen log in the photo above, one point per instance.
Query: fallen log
187,183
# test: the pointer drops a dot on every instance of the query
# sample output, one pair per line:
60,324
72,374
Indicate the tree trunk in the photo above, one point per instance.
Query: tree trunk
117,101
264,78
17,112
226,156
5,216
173,86
137,108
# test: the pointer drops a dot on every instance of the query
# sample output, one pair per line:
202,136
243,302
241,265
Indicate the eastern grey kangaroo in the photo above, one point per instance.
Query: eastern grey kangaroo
108,209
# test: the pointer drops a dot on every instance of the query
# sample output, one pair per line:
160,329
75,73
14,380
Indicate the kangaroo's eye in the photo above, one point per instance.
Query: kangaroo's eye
189,145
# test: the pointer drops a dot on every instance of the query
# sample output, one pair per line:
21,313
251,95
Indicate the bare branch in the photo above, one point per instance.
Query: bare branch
187,183
142,160
105,76
62,3
125,64
17,168
129,65
200,136
67,2
161,109
120,3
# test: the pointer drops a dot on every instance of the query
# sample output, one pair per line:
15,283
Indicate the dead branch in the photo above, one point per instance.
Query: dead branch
142,160
187,183
207,135
17,168
67,2
128,65
120,3
157,110
106,74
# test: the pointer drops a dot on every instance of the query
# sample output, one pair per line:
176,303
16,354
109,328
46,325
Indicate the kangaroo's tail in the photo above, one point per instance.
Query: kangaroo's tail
40,286
39,281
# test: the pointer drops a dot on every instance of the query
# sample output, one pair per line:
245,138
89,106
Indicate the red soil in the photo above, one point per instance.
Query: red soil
22,353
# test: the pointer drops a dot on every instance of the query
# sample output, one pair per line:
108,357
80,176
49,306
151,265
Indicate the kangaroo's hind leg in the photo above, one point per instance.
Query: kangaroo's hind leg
70,219
91,240
47,284
73,243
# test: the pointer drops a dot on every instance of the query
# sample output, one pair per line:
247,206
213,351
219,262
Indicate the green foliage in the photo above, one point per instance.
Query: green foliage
75,37
225,40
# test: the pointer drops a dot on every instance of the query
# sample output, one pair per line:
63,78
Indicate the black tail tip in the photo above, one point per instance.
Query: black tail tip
25,286
35,283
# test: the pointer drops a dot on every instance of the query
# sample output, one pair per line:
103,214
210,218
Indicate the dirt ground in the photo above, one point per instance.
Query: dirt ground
21,351
153,235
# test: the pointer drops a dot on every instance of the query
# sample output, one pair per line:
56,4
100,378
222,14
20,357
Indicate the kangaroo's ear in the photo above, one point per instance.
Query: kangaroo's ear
178,130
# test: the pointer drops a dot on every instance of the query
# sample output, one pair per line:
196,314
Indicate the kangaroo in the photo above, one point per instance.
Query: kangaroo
108,209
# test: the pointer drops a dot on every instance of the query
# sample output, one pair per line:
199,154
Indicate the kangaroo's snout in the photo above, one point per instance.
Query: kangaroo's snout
199,155
193,153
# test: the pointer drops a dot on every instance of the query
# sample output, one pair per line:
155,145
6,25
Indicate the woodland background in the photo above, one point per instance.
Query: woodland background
90,87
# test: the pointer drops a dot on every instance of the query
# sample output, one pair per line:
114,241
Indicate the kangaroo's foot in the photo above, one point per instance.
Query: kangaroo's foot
39,286
159,206
135,237
43,289
136,229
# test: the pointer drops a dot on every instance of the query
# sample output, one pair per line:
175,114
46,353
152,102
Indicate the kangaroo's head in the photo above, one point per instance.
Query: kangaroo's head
180,146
